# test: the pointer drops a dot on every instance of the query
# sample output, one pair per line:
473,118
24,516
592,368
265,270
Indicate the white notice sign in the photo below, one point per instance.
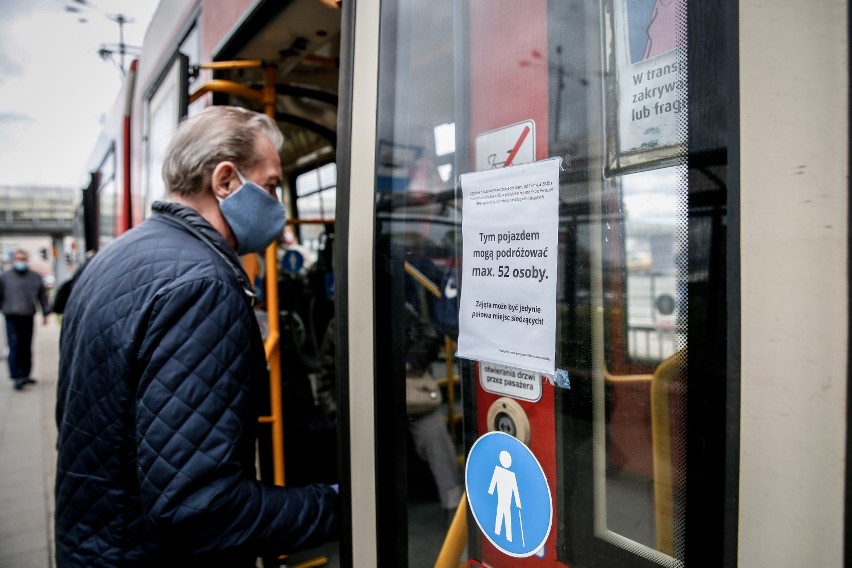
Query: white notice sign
507,312
510,381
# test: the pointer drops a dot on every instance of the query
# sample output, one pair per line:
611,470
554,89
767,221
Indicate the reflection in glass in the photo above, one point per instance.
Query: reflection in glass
644,378
650,242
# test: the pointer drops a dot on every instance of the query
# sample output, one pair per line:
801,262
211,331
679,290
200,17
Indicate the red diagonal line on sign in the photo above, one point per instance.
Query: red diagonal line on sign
517,147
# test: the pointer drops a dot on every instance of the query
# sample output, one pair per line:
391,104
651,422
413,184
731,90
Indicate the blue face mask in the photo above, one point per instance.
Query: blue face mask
20,266
255,217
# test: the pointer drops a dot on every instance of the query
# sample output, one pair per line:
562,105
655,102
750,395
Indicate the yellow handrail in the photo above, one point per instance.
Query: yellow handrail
227,87
610,378
273,356
456,537
452,378
662,447
320,561
240,64
313,221
421,278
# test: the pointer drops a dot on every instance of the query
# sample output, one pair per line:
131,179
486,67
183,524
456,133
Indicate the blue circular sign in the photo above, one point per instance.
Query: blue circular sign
508,494
292,262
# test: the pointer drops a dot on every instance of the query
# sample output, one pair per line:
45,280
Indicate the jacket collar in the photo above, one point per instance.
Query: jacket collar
191,220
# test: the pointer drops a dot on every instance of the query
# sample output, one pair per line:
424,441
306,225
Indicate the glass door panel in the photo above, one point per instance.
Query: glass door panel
417,222
627,426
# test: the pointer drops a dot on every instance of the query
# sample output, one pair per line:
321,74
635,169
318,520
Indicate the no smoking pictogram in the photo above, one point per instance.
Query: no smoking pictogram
506,146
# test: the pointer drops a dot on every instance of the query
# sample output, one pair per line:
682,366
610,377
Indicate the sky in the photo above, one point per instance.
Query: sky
54,87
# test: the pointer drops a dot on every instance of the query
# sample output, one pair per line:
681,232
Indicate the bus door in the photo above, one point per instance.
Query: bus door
587,335
283,60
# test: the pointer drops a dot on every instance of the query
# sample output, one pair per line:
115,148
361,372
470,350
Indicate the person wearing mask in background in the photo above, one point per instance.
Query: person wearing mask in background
20,290
161,368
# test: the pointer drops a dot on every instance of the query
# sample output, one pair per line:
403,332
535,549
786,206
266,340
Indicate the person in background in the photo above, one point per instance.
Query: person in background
64,292
428,430
20,290
161,370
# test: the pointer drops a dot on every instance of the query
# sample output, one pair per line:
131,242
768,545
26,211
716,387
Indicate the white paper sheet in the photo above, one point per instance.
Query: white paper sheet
508,290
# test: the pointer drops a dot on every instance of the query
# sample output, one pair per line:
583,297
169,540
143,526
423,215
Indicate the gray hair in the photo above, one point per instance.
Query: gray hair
214,135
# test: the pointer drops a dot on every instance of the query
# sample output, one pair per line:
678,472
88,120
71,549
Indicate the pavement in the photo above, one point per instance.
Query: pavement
28,455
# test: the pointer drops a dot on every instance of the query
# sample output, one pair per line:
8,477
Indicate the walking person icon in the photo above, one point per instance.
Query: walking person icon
502,476
507,487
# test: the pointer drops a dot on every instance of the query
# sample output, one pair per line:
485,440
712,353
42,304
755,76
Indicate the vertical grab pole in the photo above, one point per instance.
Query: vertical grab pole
273,356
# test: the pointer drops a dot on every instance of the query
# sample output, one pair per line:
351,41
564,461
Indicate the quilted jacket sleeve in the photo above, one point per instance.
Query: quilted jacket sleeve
194,407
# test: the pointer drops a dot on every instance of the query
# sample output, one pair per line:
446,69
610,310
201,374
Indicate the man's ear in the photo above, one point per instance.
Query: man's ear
224,180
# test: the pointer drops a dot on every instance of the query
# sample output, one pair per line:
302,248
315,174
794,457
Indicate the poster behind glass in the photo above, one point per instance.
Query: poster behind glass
645,54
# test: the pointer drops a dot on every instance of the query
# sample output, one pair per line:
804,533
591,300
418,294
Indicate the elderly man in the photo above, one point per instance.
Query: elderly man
20,290
161,363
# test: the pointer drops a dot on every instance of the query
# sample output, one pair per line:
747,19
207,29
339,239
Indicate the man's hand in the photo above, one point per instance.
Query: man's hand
44,320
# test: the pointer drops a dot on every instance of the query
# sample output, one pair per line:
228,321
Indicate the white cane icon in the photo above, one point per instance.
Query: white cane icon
521,522
507,488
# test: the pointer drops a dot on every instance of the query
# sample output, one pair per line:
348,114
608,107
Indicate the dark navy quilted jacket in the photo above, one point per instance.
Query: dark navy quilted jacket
161,362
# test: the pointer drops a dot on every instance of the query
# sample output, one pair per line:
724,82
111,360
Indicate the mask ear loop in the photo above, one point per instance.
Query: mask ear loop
242,182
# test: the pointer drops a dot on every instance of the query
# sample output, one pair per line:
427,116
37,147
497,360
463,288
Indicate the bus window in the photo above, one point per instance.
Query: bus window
316,195
644,299
163,111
